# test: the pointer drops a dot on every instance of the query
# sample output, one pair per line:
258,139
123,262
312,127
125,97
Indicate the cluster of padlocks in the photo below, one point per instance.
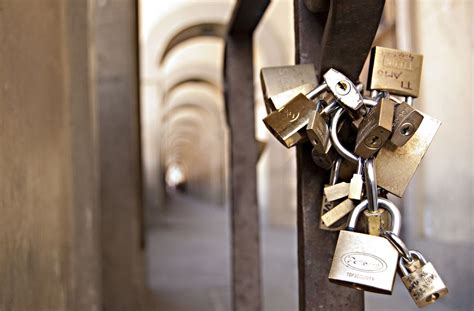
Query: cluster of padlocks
389,138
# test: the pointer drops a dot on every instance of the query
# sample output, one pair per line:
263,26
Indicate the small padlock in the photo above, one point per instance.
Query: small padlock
328,220
288,123
318,131
396,71
424,284
406,121
375,129
363,261
343,89
356,184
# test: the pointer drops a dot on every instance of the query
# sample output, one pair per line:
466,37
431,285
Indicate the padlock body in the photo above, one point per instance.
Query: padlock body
395,71
279,100
405,123
324,159
288,123
343,89
338,212
318,132
395,167
375,129
364,262
276,80
327,206
425,285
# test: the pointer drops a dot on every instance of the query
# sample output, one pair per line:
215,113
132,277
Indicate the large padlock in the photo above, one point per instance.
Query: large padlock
363,261
396,71
396,166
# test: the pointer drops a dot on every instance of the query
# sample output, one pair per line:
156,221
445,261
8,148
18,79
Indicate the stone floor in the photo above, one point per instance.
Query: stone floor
189,264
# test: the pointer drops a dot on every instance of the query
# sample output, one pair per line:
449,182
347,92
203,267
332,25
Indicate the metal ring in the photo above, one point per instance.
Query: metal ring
396,217
371,185
399,245
335,140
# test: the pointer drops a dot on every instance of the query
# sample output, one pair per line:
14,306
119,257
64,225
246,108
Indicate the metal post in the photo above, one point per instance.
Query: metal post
340,38
239,99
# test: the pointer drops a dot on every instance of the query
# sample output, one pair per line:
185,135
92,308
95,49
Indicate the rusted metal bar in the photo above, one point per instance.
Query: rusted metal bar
239,99
340,38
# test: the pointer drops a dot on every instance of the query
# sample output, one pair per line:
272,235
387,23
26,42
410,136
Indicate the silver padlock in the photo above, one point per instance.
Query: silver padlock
363,261
345,91
424,283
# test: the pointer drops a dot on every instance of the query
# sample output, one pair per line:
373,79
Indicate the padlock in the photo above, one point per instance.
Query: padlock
424,284
356,183
396,166
330,220
276,80
396,71
343,89
279,100
406,121
318,131
363,261
288,123
375,129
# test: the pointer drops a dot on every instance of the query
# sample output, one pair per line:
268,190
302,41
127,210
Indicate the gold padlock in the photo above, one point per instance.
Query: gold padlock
375,129
396,71
396,166
279,100
288,123
363,261
276,80
424,284
406,122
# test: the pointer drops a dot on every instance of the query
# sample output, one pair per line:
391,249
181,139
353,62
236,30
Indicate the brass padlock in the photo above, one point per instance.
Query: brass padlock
288,123
279,100
424,284
363,261
276,80
396,71
396,166
318,131
375,129
406,121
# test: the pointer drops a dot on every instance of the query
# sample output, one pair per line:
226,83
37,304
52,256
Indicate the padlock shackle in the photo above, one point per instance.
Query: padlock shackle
335,170
335,139
316,91
412,252
371,185
388,205
399,245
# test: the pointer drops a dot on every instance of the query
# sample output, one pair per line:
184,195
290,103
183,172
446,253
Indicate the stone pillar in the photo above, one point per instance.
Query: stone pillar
49,245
